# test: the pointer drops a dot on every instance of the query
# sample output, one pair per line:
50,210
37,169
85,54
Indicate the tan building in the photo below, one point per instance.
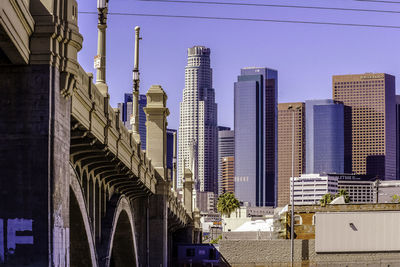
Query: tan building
228,175
371,97
285,124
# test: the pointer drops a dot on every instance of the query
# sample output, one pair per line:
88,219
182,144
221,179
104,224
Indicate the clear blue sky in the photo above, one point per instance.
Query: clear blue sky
306,56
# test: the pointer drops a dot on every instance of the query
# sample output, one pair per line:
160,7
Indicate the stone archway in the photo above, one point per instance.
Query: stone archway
82,249
122,247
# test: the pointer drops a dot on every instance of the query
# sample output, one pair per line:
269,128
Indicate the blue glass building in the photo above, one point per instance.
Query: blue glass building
126,112
255,95
325,136
170,149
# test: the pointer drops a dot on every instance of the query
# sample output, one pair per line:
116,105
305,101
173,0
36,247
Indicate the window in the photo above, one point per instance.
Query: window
298,220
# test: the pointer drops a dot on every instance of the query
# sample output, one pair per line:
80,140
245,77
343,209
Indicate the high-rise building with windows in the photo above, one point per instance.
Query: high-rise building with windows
255,98
372,99
198,135
226,148
327,144
286,125
126,112
228,175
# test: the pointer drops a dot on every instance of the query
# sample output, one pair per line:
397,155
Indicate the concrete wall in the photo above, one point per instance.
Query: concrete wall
263,253
246,253
357,231
255,235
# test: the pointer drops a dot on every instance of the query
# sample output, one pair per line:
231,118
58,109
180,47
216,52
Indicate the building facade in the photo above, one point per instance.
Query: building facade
126,112
285,127
326,141
310,188
228,175
198,135
226,148
255,110
371,97
171,134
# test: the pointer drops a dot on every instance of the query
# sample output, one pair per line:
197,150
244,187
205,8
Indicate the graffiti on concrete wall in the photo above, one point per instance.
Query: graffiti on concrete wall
13,232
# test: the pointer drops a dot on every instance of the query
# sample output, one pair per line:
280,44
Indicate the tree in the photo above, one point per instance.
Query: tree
345,194
326,199
227,203
396,199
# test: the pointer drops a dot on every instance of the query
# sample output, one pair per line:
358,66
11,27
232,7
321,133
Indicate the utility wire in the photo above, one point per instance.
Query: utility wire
247,19
274,5
379,1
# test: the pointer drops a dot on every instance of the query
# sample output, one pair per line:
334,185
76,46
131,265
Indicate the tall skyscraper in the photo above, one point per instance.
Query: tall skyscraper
371,97
198,135
285,128
126,112
228,175
326,142
256,128
226,148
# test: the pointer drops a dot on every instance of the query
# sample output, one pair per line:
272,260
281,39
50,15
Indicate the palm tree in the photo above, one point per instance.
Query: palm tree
326,199
345,194
227,203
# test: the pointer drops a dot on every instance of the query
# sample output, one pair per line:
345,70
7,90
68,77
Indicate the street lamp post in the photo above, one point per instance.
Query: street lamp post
292,198
100,58
134,120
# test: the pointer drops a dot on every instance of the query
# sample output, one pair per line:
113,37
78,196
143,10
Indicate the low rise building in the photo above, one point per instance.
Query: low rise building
310,188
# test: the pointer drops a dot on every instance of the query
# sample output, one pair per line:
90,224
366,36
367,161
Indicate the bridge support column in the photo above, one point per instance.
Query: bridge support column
156,149
35,129
141,212
158,227
35,137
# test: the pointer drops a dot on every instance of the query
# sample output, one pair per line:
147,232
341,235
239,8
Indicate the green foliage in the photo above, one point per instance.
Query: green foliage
328,198
345,194
227,203
215,241
396,199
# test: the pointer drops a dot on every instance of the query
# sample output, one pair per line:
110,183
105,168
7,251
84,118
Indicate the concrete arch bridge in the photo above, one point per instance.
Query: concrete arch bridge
76,189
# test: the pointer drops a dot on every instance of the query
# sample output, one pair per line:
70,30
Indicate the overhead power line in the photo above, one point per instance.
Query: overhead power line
379,1
274,5
248,19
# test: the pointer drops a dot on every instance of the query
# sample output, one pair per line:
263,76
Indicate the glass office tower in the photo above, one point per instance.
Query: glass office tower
325,136
255,94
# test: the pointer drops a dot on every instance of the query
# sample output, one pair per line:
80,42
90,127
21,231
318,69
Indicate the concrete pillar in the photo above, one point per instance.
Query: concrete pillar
141,211
35,133
156,149
188,191
156,122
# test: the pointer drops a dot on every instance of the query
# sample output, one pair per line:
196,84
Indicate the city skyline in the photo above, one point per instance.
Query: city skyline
339,50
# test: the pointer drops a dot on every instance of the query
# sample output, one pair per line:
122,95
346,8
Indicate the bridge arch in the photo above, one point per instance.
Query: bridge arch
82,246
121,245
